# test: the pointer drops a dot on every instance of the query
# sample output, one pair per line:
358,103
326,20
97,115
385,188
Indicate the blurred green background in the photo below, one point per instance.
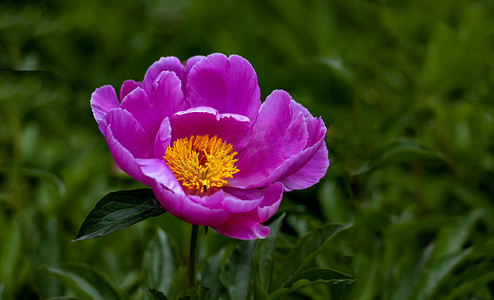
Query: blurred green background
405,88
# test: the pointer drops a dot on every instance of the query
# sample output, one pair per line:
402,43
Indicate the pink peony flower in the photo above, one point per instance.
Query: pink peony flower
212,153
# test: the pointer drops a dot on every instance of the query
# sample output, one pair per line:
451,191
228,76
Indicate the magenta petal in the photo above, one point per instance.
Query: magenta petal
125,159
188,66
310,173
167,95
127,87
275,138
170,63
295,163
103,100
231,128
241,227
180,206
129,133
241,200
247,225
272,199
227,84
150,111
159,171
162,139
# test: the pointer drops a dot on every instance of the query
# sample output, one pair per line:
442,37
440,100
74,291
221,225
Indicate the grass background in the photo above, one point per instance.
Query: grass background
405,88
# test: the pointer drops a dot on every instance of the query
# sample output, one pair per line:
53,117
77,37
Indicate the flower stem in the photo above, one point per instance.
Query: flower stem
192,258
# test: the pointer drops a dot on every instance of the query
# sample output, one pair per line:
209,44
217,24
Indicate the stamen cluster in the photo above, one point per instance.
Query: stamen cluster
200,163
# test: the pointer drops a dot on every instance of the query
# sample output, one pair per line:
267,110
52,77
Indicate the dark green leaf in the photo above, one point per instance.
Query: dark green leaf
62,298
305,249
236,274
198,292
408,282
85,280
472,280
119,210
437,272
210,274
159,262
326,275
399,151
158,295
311,277
263,260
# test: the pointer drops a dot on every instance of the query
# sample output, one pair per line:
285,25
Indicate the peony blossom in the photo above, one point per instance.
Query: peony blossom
198,135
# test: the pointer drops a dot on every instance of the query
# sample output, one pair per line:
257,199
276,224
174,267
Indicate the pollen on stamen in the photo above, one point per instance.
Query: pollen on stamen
201,163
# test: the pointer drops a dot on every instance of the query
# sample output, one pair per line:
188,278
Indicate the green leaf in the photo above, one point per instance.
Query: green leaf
311,277
236,274
158,295
210,274
437,272
263,260
85,280
159,262
399,151
63,298
452,237
410,278
119,210
472,280
305,249
198,292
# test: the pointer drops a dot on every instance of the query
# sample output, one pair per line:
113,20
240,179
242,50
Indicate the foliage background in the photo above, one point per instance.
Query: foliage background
405,88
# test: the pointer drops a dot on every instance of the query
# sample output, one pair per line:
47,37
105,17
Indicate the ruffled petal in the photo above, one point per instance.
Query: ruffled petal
247,225
150,109
272,199
129,133
241,200
184,208
310,173
227,84
160,172
170,63
103,100
127,87
231,128
123,153
162,139
188,66
276,137
241,226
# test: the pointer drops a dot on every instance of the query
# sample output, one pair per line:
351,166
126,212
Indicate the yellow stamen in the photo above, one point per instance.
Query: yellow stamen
200,163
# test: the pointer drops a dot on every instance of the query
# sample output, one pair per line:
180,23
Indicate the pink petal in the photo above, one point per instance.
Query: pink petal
162,139
170,63
127,87
188,66
184,208
310,173
122,156
247,225
272,199
276,137
227,84
103,100
161,173
231,128
129,133
240,227
241,200
150,109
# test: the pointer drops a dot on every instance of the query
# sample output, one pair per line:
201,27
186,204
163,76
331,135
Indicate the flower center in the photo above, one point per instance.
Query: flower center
200,163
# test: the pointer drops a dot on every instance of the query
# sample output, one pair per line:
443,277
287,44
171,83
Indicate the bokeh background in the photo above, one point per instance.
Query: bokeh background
405,88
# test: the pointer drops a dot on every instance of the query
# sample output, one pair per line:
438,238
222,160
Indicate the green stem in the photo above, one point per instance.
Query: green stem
192,259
